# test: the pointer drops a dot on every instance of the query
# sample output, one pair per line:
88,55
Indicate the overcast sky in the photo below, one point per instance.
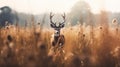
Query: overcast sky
60,6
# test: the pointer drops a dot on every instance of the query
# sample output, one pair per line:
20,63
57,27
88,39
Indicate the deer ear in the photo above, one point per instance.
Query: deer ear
52,25
62,25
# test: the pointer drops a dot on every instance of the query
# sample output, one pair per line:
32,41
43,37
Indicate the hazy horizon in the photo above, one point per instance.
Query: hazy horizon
58,6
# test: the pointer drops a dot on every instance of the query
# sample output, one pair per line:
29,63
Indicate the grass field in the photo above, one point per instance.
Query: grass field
85,46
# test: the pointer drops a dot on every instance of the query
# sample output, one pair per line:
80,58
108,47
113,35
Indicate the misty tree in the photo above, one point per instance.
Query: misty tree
80,12
6,15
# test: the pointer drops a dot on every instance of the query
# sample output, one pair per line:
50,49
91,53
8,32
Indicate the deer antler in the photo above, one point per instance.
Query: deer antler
52,24
51,16
63,17
61,25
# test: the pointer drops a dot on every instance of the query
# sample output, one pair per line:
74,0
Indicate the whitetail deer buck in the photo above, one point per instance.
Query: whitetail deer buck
57,39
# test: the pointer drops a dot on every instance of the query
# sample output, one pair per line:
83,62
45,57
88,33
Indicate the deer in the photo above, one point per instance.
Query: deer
57,39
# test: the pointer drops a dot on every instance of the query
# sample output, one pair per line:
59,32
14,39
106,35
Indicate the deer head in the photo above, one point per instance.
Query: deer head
57,27
53,25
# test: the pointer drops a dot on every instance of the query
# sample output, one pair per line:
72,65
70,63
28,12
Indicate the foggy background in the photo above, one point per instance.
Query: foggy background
80,13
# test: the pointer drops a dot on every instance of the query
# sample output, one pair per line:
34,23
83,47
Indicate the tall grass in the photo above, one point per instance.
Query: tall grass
85,46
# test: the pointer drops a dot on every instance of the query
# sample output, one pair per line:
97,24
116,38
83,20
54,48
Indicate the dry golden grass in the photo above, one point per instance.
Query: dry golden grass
84,47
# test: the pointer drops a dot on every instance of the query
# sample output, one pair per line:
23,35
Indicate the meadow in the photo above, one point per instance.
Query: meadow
85,46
